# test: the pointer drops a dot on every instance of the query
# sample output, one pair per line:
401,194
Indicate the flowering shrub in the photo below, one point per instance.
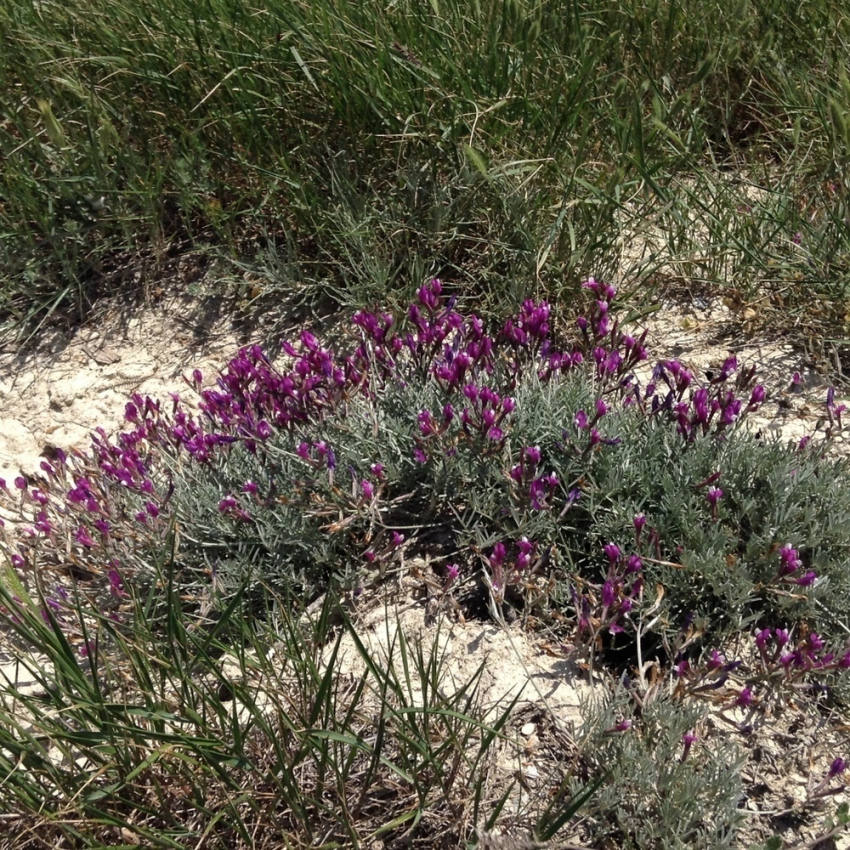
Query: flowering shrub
538,470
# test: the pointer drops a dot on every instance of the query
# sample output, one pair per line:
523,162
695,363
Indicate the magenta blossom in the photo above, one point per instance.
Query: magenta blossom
838,766
744,698
612,550
497,558
714,495
688,740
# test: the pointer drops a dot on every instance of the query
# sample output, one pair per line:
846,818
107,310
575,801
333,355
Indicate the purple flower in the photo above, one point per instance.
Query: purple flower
762,637
368,490
398,539
837,767
815,642
452,572
426,423
309,341
688,740
808,579
639,523
21,482
532,454
249,487
83,537
581,420
116,583
701,411
715,661
227,503
419,456
714,495
744,698
635,565
525,546
790,560
729,366
608,594
601,408
833,411
758,395
612,550
497,557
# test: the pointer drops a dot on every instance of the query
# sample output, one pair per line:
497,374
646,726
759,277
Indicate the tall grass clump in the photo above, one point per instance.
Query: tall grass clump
166,732
555,481
351,149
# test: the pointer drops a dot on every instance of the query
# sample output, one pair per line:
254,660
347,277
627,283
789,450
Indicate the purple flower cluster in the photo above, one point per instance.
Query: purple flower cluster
790,568
537,487
432,340
509,564
701,410
783,662
807,654
531,328
607,608
707,677
614,354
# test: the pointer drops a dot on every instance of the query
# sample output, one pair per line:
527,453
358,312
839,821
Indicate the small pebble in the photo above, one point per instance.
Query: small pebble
529,729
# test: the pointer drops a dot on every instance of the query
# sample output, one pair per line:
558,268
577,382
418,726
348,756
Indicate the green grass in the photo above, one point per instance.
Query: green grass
177,731
350,149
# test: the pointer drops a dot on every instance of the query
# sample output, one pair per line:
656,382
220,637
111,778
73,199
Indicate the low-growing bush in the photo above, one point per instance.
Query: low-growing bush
538,464
550,477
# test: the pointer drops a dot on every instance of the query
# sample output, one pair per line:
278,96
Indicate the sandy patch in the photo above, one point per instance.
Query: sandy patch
55,396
